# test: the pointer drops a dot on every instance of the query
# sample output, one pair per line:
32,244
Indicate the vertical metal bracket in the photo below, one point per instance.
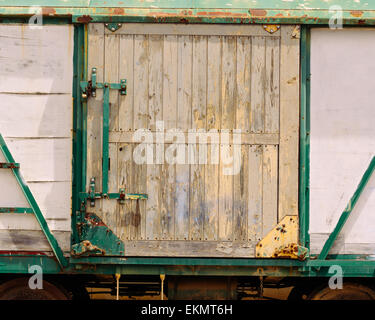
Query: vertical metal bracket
113,26
92,192
88,89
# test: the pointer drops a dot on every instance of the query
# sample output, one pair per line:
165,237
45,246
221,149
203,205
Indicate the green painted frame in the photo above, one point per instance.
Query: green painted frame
304,144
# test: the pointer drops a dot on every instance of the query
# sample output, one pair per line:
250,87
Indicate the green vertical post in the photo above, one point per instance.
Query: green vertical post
105,139
78,129
349,208
304,194
33,204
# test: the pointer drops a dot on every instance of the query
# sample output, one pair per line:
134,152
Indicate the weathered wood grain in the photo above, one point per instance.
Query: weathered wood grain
289,123
181,84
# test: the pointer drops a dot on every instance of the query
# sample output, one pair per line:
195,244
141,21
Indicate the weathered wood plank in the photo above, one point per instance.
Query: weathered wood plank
199,100
243,83
228,102
170,66
32,240
111,75
95,105
199,30
42,159
246,138
36,116
270,179
214,62
110,207
272,94
191,249
255,202
155,80
140,84
184,107
126,181
241,197
36,60
155,87
152,208
11,221
126,69
258,45
289,123
211,223
167,201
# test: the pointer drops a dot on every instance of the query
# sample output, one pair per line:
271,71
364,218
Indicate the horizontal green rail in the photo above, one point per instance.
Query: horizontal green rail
16,210
9,165
270,11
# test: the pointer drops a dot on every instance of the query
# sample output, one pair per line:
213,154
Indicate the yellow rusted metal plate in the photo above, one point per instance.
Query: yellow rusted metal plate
271,28
282,241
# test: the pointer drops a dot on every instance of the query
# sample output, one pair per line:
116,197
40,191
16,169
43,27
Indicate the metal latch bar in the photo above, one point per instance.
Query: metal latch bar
16,210
9,165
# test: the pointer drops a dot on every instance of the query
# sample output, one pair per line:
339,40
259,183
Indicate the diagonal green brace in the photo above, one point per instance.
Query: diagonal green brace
34,206
349,208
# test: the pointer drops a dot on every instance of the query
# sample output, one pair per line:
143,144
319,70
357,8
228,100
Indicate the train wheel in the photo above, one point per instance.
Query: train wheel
350,291
299,293
18,289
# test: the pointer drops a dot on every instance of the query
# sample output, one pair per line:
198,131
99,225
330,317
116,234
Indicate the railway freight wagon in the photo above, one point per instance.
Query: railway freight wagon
196,149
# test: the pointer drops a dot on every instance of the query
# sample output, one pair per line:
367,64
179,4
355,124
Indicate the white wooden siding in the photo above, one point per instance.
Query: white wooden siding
342,136
36,73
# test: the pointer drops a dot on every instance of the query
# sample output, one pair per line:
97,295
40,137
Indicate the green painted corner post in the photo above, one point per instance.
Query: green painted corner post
79,114
33,204
304,161
349,208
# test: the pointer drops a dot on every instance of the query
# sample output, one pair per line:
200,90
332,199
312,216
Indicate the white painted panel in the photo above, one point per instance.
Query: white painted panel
36,115
42,159
36,60
53,198
36,72
342,133
11,221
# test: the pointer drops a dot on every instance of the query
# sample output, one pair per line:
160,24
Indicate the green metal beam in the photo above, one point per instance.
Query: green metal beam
188,4
6,165
304,144
16,210
33,204
195,11
349,208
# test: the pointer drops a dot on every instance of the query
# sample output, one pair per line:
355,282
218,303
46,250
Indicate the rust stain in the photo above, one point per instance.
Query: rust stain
258,12
119,11
356,13
92,219
84,19
222,14
48,11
